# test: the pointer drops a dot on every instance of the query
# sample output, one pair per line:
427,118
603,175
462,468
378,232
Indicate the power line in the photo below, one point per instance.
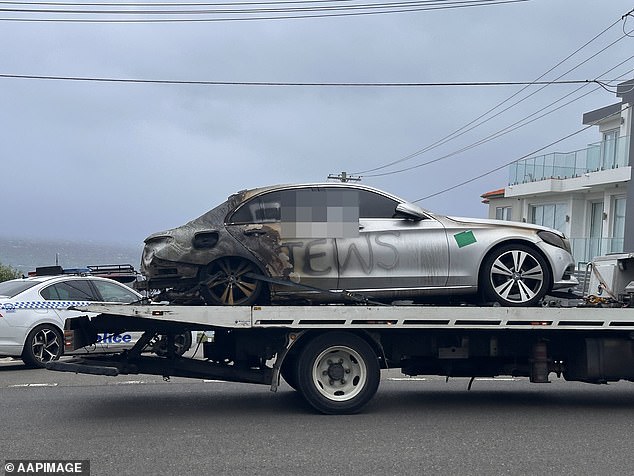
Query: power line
296,84
182,4
280,14
510,128
599,82
214,8
473,179
477,121
507,164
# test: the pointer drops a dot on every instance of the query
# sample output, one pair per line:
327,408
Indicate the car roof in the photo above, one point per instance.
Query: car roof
249,193
69,277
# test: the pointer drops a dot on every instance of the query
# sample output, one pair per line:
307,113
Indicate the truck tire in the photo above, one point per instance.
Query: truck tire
337,372
182,343
43,344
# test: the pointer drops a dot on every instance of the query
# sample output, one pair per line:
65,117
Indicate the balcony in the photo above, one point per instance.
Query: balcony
584,249
607,154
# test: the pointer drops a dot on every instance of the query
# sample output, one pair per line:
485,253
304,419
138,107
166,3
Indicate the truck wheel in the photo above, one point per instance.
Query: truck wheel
338,372
229,284
515,275
182,343
43,344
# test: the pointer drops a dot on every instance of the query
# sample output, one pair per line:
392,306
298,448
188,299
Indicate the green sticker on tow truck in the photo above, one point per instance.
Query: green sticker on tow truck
465,238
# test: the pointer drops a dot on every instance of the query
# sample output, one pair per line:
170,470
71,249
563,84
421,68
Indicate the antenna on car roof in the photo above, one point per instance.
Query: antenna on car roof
344,177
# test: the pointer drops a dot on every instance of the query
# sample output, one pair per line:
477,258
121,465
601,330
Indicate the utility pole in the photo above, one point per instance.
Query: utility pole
344,177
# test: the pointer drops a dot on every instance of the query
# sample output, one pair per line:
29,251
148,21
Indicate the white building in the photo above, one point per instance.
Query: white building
582,193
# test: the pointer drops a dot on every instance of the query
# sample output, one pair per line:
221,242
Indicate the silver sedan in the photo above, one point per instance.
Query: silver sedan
329,242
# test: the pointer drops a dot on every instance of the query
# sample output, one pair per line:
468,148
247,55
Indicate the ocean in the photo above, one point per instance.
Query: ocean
25,254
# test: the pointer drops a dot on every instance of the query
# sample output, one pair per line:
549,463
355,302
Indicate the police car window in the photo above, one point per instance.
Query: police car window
112,292
13,288
373,205
75,290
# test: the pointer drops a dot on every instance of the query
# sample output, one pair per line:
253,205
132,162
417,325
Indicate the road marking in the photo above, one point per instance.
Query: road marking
477,379
408,379
213,381
33,385
127,382
498,379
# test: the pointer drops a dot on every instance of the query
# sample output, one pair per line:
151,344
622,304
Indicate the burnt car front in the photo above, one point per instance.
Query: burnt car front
173,258
207,259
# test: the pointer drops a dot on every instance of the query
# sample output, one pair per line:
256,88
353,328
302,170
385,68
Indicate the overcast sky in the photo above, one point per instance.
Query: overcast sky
115,162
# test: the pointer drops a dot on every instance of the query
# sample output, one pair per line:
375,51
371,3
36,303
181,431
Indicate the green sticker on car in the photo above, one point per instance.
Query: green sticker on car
465,238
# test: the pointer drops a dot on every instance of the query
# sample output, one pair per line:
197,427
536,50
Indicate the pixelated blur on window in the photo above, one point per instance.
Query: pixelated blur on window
315,212
320,213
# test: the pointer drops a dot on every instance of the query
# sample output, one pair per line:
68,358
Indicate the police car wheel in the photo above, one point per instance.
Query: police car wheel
43,344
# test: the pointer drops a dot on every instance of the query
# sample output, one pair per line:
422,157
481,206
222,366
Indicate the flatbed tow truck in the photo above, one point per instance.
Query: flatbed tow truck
333,354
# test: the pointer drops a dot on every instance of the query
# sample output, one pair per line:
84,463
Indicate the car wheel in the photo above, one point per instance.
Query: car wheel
515,275
228,283
338,372
43,344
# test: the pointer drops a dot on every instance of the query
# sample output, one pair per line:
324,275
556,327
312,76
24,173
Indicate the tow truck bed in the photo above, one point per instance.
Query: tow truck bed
333,354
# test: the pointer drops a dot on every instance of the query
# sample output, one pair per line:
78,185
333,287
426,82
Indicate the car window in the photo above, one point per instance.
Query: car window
374,205
75,290
13,288
262,209
247,213
112,292
267,208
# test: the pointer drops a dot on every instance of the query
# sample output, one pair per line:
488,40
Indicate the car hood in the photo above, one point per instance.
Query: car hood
503,223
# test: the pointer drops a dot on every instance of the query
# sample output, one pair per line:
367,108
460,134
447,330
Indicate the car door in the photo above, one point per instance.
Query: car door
113,292
77,292
20,311
392,252
302,249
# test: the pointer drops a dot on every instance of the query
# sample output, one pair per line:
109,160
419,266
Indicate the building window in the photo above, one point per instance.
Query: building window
504,213
609,149
552,215
618,225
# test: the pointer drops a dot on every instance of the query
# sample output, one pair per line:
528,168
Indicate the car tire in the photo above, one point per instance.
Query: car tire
337,373
515,275
227,283
43,344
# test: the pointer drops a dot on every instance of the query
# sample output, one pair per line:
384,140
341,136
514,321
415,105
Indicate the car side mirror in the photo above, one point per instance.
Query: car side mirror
410,211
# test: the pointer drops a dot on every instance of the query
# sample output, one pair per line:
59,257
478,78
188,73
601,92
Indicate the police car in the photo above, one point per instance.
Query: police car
33,311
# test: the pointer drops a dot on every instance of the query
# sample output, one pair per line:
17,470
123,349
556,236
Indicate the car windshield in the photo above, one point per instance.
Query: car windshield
13,288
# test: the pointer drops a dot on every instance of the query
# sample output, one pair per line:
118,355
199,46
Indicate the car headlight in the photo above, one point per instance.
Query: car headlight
555,240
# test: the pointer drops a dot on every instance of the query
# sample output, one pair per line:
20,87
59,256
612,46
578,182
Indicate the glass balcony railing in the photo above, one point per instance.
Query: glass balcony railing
608,154
584,249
